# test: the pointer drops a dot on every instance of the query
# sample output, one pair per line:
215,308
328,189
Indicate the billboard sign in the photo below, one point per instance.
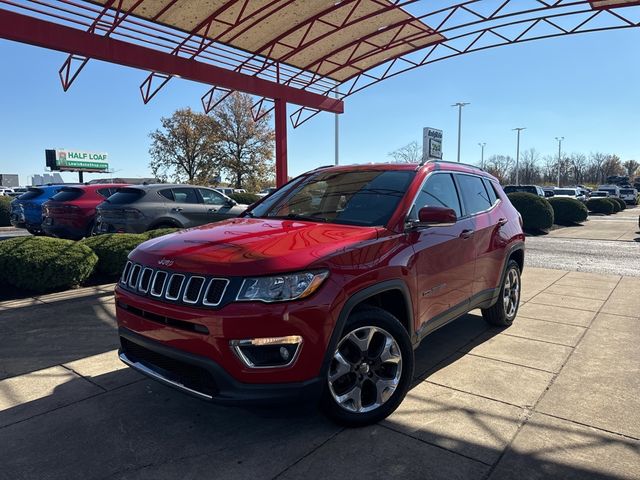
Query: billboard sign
77,160
431,144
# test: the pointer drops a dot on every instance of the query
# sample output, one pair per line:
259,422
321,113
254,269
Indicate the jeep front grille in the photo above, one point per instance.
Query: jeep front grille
184,288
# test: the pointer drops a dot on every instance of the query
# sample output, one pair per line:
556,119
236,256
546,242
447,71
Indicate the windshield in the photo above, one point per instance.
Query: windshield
565,191
362,197
126,195
67,194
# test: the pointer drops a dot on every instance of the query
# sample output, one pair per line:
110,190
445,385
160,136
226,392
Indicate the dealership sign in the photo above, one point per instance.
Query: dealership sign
76,160
431,144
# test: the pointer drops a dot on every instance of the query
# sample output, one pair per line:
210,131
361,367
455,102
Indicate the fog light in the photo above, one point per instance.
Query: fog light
269,352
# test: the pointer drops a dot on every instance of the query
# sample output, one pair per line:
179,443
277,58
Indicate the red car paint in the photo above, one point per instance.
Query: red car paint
441,268
75,218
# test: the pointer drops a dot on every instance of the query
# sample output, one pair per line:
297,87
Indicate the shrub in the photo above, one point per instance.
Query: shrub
42,264
245,198
621,203
112,250
159,232
567,211
537,213
5,211
616,205
600,205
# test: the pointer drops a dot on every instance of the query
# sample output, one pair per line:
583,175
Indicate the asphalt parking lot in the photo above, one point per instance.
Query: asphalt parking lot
554,396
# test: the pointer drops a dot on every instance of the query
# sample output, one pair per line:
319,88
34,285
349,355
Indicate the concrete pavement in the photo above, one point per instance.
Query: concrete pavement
556,395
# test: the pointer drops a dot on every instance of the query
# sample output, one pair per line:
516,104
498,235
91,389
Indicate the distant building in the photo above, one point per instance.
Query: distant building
9,180
45,178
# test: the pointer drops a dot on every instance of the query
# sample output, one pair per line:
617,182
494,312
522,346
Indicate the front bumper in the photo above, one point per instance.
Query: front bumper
203,378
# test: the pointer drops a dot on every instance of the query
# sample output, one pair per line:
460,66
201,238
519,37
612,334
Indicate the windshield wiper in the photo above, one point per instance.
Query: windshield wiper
296,216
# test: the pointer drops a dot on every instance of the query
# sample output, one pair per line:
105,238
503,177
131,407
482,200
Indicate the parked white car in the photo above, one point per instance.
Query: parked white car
599,194
6,191
629,195
570,192
612,190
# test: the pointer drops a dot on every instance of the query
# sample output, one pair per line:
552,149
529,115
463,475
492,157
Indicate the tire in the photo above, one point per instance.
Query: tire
35,233
504,311
361,387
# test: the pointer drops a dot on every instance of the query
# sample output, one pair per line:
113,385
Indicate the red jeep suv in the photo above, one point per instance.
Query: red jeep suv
324,288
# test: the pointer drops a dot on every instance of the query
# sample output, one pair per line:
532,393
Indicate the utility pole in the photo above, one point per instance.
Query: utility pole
519,129
482,154
559,139
459,105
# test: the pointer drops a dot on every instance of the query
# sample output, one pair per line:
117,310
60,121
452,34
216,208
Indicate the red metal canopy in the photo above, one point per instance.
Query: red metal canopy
306,52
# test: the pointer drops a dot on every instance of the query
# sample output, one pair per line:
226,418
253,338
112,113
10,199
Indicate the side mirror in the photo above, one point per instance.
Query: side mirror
433,216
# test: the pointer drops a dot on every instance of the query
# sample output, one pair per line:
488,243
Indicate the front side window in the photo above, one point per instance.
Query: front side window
211,197
438,191
474,195
361,197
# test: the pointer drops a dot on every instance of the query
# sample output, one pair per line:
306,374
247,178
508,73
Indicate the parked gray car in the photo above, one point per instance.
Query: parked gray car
139,208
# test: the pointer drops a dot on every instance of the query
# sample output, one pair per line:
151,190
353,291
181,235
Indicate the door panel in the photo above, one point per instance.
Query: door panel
216,206
186,207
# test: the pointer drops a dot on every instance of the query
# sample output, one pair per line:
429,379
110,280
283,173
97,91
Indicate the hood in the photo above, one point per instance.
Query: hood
250,246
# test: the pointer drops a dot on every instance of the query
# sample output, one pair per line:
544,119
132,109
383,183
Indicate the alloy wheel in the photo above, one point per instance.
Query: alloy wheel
511,293
365,369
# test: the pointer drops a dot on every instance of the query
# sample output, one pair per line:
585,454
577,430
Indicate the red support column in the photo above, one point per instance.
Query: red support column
281,141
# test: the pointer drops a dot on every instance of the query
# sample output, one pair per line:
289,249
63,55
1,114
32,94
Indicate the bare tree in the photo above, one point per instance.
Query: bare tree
631,166
410,153
244,150
185,148
578,162
612,166
596,162
499,166
529,170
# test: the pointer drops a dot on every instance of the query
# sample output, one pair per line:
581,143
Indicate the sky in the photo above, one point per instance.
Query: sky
583,87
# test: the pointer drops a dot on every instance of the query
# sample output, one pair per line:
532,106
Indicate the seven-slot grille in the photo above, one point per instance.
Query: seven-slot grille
173,287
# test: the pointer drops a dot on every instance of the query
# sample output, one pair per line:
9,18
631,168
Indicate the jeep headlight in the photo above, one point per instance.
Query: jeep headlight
281,288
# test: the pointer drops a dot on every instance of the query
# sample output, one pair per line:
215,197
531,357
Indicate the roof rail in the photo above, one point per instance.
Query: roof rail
452,163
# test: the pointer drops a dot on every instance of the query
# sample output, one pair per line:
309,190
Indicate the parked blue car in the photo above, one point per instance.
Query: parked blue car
26,210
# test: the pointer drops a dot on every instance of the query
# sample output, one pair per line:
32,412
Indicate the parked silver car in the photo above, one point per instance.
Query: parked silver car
137,209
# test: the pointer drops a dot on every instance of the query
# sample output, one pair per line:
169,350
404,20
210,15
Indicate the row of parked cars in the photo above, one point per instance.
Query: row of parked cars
627,193
77,211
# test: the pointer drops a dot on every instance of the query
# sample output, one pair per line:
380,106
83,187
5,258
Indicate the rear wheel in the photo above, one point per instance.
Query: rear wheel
371,369
504,311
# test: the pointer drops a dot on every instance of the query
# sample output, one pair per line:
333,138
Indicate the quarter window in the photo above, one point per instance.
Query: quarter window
491,191
166,193
439,191
474,195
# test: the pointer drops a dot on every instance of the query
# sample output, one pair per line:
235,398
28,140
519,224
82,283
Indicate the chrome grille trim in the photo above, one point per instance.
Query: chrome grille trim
133,279
141,287
206,292
186,289
154,291
135,274
170,283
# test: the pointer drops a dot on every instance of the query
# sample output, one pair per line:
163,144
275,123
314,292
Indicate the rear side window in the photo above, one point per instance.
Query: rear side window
185,195
31,194
438,191
474,195
491,192
67,194
126,195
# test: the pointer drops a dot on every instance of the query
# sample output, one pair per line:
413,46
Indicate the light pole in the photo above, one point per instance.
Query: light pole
559,139
337,132
519,129
459,105
482,145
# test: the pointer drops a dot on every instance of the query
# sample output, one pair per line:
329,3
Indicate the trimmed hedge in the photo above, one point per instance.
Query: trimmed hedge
537,213
159,232
616,205
600,205
5,211
245,198
112,250
42,264
620,202
567,211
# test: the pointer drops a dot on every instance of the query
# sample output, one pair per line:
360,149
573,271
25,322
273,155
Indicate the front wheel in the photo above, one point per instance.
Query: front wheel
370,370
504,311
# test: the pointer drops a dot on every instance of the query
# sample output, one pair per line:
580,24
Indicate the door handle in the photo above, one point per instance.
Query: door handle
467,234
177,209
212,210
502,221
